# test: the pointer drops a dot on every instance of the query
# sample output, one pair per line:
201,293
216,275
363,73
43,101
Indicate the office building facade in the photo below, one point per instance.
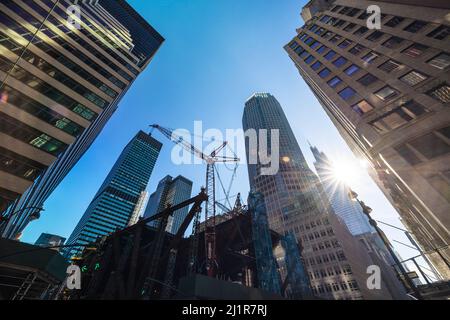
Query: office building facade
296,204
387,91
60,84
170,191
115,202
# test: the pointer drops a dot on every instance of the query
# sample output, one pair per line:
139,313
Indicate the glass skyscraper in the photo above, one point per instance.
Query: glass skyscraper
115,201
59,85
338,194
297,206
50,240
170,191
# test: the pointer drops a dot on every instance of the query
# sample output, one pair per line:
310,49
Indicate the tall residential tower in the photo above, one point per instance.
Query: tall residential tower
387,91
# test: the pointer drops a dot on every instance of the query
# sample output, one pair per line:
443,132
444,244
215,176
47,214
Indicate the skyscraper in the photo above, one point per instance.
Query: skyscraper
387,92
338,194
297,205
60,84
170,191
50,240
114,203
356,221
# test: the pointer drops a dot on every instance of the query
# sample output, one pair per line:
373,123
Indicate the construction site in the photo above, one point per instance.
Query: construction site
144,262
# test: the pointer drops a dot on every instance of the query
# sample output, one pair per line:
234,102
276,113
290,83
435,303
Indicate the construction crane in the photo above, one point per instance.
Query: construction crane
210,208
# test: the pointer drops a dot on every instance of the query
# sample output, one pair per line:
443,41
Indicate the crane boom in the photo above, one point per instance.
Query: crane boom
210,208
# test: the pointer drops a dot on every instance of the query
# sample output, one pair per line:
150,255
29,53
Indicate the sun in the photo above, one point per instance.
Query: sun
344,172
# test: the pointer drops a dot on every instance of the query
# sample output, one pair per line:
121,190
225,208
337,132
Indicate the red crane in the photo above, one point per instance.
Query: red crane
210,209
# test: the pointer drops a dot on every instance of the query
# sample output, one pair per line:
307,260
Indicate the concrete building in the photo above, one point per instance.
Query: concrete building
170,191
115,202
387,92
59,85
296,204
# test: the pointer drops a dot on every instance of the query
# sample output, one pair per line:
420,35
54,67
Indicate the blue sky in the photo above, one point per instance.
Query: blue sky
216,54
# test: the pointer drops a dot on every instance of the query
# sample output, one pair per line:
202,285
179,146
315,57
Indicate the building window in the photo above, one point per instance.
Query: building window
441,183
406,153
357,49
309,59
413,78
327,35
441,93
429,146
398,117
313,27
367,79
390,66
324,73
353,285
315,44
304,54
432,145
345,43
330,55
331,21
336,38
441,61
415,50
386,93
293,45
302,36
325,18
439,33
320,31
322,49
309,41
371,56
347,93
374,36
336,8
345,10
363,16
316,65
338,23
394,22
353,12
362,107
360,31
334,82
393,42
341,257
349,27
416,26
352,69
299,50
339,62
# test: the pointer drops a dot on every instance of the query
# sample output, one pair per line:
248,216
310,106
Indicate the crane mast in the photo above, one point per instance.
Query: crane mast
210,208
